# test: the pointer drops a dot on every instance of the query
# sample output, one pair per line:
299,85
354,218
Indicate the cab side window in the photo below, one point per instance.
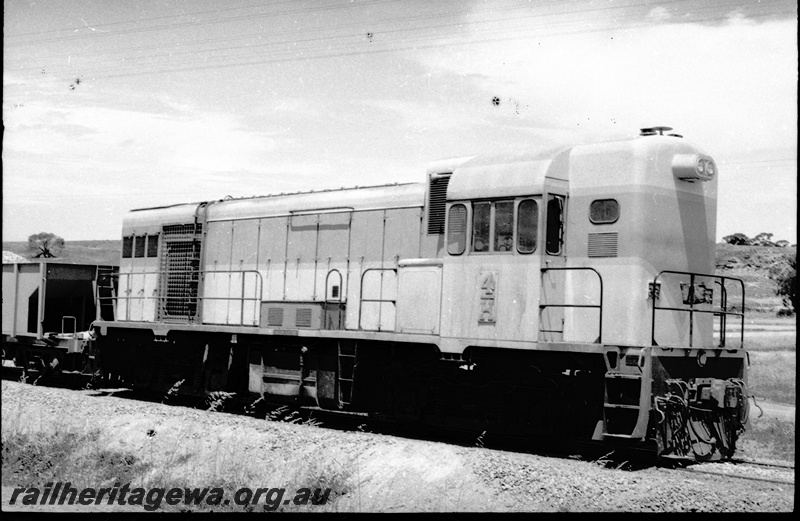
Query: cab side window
138,245
497,226
527,225
604,211
127,247
504,226
481,215
152,245
457,229
555,224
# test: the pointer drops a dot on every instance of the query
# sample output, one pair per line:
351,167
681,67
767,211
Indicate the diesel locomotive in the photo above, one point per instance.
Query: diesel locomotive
554,293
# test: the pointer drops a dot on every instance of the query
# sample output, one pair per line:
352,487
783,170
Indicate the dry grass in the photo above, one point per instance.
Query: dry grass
84,460
75,457
772,376
88,457
768,439
770,341
166,454
772,344
36,451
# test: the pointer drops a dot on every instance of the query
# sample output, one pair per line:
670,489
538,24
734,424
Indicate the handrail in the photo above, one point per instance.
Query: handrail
361,300
341,280
161,299
598,306
722,312
327,320
104,274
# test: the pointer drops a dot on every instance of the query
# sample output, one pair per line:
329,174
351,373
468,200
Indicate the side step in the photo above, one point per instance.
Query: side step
346,355
621,407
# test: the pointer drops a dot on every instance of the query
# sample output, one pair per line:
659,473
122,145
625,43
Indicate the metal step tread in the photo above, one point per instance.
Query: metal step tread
620,406
624,375
622,436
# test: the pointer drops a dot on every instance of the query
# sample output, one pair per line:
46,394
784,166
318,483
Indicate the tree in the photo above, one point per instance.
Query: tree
762,239
737,239
45,245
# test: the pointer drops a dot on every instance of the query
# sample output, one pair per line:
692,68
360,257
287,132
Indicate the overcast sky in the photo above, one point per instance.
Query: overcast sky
110,105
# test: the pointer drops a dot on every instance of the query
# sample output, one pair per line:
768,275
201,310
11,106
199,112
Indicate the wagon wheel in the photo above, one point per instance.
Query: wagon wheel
44,367
55,366
35,365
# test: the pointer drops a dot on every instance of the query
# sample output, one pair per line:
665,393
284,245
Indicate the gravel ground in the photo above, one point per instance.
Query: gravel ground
366,471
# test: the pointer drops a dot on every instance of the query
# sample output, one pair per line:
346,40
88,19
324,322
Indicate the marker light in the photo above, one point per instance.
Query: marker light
711,169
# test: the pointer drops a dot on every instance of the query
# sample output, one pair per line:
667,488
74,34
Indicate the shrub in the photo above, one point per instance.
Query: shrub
737,239
785,275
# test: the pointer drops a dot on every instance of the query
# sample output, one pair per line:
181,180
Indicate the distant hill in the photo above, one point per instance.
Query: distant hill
75,252
755,265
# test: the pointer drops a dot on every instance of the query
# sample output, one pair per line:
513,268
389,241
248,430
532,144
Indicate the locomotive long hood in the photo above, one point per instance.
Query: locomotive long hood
349,199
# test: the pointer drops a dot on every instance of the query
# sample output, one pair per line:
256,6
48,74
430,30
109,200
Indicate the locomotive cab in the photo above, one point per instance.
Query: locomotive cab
613,256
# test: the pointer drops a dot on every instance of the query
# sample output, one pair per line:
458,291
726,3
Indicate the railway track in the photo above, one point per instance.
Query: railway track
769,472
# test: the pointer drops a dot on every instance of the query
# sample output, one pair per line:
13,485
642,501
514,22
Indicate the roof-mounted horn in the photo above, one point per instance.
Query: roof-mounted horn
654,131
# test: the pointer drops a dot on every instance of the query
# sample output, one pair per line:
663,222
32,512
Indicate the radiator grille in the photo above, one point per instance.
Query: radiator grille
274,317
302,317
183,229
180,266
603,244
437,199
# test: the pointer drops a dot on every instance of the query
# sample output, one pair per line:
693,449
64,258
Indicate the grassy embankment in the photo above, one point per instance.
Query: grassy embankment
47,450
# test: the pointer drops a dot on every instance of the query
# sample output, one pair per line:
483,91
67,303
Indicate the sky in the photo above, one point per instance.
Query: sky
111,105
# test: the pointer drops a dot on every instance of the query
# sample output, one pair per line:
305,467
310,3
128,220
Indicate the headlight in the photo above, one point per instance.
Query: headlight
693,167
701,167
